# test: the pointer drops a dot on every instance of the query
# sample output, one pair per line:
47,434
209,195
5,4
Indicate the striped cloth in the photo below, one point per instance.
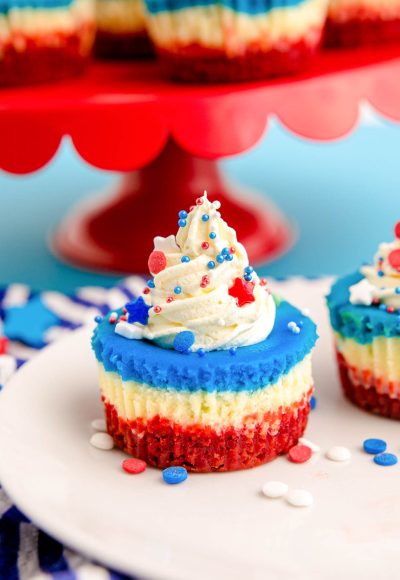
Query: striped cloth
27,553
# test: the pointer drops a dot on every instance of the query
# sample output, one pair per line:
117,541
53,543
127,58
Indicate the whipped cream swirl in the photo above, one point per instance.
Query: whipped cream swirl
381,282
203,283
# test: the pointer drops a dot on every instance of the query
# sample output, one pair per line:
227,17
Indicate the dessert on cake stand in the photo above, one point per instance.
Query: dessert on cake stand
166,140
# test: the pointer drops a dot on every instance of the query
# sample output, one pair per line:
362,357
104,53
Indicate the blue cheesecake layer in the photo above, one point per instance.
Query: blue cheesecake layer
7,5
250,368
363,323
252,7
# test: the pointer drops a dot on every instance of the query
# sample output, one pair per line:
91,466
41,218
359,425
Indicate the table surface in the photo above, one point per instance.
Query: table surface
343,198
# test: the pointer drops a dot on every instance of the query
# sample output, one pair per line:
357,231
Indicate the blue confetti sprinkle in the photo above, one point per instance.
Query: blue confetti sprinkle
98,319
138,311
185,259
212,235
173,475
220,258
201,352
181,223
205,217
150,284
183,214
178,289
248,270
374,446
385,459
184,341
211,264
313,403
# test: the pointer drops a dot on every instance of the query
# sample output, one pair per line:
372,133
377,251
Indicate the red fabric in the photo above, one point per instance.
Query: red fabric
362,32
162,443
43,59
195,63
109,45
365,395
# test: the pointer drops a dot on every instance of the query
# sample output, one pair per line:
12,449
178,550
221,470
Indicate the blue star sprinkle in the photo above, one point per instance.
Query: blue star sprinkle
138,311
30,322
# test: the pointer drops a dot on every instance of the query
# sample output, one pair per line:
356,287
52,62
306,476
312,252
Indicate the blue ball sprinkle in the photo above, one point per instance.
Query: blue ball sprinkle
397,290
181,223
385,459
313,403
205,217
1,387
232,350
374,446
98,319
183,341
173,475
220,258
185,259
248,270
247,277
225,251
183,214
211,264
150,284
382,306
229,258
212,235
177,289
381,273
201,352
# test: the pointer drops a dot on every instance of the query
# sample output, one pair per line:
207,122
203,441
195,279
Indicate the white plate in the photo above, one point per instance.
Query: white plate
211,526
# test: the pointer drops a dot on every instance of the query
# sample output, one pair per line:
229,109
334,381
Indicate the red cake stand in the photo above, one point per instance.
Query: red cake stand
166,138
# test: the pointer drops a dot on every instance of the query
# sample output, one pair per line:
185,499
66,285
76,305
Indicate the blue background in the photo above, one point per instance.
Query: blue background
343,197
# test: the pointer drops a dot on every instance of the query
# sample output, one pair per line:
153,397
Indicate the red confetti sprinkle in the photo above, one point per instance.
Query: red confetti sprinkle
232,250
205,245
122,318
3,344
146,291
199,201
242,291
157,309
397,230
157,262
170,299
134,466
394,259
299,453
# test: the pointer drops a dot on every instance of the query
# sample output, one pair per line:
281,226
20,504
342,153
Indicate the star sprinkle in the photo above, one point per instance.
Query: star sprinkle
167,244
29,323
138,311
243,291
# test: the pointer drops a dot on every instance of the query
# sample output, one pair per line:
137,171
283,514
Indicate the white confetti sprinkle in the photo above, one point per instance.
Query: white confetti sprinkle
275,489
314,448
300,498
99,425
338,453
102,441
127,330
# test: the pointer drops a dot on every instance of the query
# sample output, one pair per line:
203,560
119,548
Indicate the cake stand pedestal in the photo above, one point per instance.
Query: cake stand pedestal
166,138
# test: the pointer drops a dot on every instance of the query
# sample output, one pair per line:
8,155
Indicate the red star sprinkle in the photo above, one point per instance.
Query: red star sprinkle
397,230
394,260
157,262
242,291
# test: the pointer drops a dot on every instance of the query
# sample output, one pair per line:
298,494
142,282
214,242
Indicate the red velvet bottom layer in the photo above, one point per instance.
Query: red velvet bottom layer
162,443
42,60
198,64
108,45
362,32
367,396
